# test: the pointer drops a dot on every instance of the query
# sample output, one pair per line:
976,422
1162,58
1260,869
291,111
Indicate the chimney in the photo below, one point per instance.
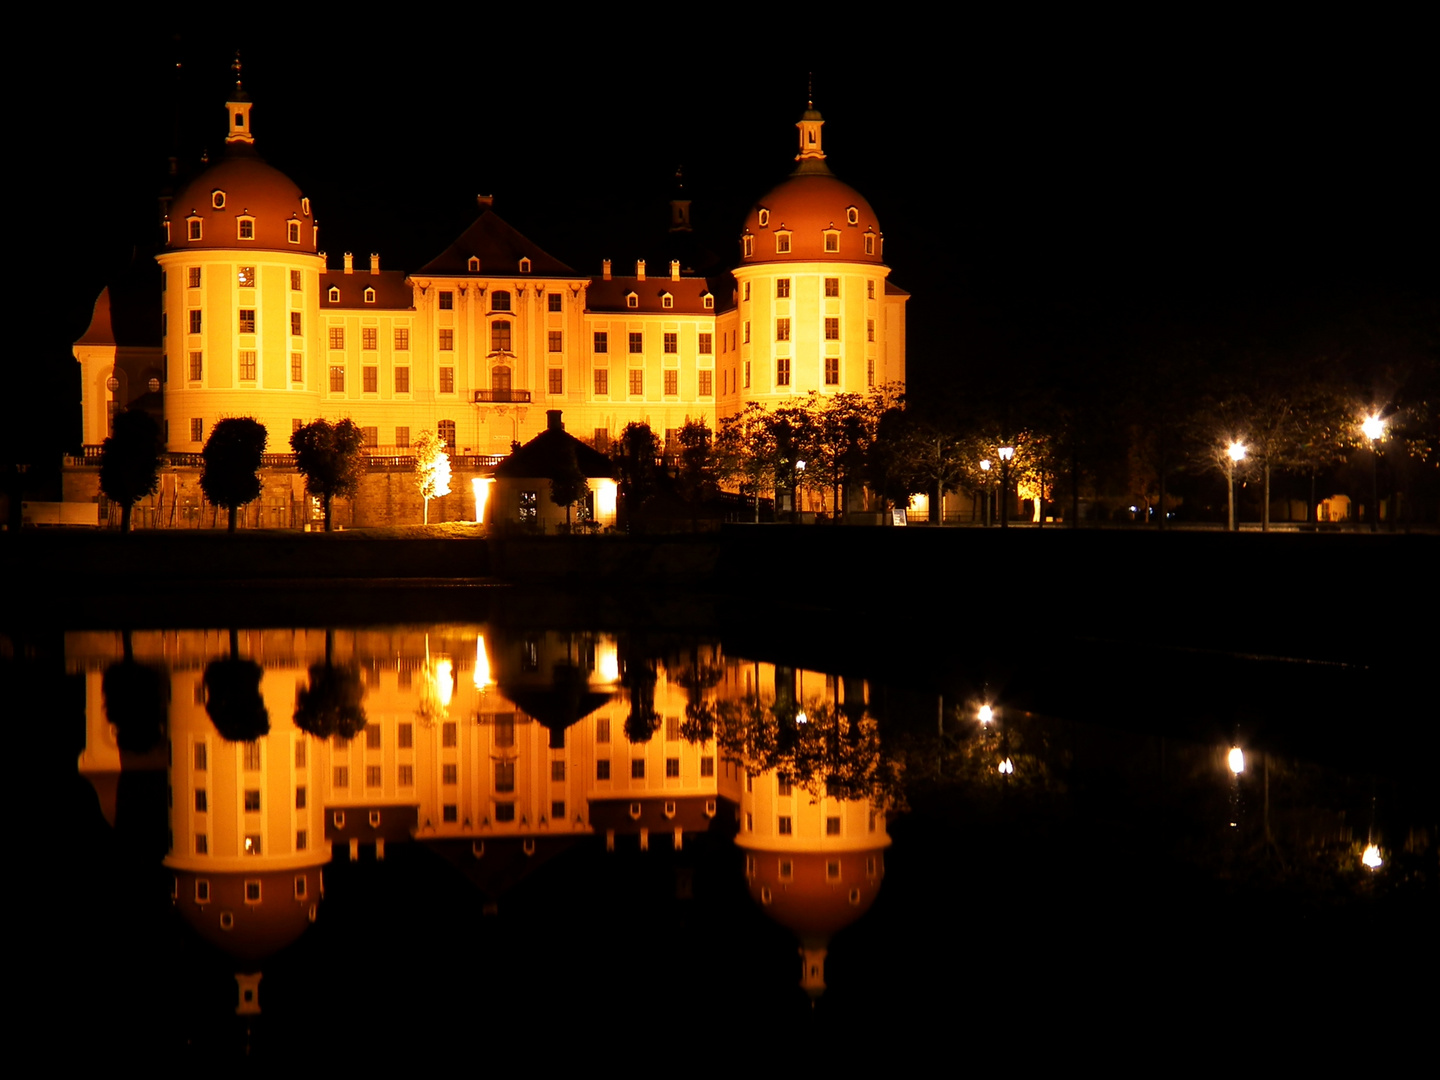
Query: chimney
349,262
552,420
640,269
674,269
374,262
605,269
485,202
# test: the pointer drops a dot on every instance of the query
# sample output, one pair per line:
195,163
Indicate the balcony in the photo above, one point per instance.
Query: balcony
502,397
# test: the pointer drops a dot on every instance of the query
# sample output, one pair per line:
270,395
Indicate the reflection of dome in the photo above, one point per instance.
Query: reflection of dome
250,916
824,891
247,188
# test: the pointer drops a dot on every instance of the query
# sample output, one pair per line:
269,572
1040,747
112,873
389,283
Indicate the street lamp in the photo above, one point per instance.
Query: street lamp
1374,429
795,493
1234,455
1006,453
985,468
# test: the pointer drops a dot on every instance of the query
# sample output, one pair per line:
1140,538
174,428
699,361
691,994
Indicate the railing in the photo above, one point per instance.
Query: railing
374,462
502,397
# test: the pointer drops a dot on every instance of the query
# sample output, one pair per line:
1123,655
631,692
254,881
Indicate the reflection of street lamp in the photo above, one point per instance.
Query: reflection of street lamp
1006,453
986,714
1374,429
985,468
1236,760
795,494
1233,456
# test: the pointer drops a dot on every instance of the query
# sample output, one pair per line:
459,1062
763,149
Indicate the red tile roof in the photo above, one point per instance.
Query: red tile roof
687,293
391,290
499,247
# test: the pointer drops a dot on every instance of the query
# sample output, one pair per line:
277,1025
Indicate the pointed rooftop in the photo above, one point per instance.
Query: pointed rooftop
499,249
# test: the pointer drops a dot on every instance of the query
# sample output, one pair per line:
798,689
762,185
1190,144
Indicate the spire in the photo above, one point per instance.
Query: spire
237,105
679,205
812,153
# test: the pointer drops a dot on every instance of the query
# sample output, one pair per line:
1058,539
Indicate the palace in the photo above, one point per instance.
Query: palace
480,342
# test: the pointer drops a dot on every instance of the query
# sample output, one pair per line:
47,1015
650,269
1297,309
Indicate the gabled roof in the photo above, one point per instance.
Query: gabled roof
391,290
549,453
688,294
499,248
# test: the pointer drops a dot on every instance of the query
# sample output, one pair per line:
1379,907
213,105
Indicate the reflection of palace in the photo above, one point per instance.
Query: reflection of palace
488,745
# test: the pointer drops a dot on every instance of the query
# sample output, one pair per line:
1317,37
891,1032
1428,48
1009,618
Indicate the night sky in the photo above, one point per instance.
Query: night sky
1050,193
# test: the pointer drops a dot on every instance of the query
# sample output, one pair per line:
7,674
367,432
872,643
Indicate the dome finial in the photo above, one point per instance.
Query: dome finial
812,154
238,106
809,90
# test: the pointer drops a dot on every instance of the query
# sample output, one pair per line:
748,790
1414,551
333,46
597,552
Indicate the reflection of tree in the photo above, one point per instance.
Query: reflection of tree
697,678
331,704
134,702
969,754
832,753
638,676
232,696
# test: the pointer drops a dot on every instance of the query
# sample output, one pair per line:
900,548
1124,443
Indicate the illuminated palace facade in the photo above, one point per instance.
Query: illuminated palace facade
490,334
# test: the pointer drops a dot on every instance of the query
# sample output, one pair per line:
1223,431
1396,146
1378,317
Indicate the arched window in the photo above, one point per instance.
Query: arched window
500,335
500,300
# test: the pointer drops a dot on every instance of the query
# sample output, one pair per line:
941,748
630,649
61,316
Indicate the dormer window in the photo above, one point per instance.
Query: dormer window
782,243
500,301
292,231
869,243
832,242
852,215
217,199
524,266
369,296
193,226
709,302
764,217
245,228
334,294
305,206
631,300
667,301
473,265
749,246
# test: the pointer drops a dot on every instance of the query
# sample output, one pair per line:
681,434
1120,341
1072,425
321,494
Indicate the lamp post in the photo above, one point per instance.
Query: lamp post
795,491
1006,453
985,468
1234,455
1374,429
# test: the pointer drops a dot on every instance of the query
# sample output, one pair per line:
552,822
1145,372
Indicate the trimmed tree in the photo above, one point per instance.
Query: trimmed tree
432,468
232,457
329,457
130,462
569,486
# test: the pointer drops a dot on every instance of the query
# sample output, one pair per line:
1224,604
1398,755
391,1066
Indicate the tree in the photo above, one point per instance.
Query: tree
745,451
569,486
130,462
329,457
696,479
635,454
232,456
432,468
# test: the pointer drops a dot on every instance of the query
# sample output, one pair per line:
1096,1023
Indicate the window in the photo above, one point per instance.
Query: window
295,280
667,301
296,324
832,286
602,341
782,243
852,215
632,301
870,371
405,732
749,246
637,342
342,776
602,769
292,231
785,826
402,380
247,365
334,294
556,380
787,869
706,384
337,378
870,290
202,891
202,844
300,755
524,266
832,870
246,276
672,768
251,757
195,366
402,338
869,244
528,507
832,242
602,381
302,839
195,321
301,888
504,777
554,301
446,430
707,766
746,291
784,787
246,228
832,329
869,329
247,320
764,217
473,264
747,374
369,296
405,776
557,340
747,331
447,340
369,338
500,335
782,371
447,301
557,810
707,344
782,329
448,734
637,381
832,826
500,301
402,436
449,813
194,224
832,371
782,289
447,380
709,302
372,776
337,337
505,811
192,276
300,797
672,343
672,382
602,730
637,768
201,802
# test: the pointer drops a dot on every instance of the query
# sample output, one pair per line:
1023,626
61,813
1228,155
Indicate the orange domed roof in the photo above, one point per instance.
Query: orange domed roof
241,186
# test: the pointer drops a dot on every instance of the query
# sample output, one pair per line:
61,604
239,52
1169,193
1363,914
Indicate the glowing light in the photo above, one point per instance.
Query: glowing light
1371,858
605,495
481,486
444,680
986,714
1237,451
482,665
1236,760
1006,453
1007,767
801,718
607,661
985,465
1374,429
